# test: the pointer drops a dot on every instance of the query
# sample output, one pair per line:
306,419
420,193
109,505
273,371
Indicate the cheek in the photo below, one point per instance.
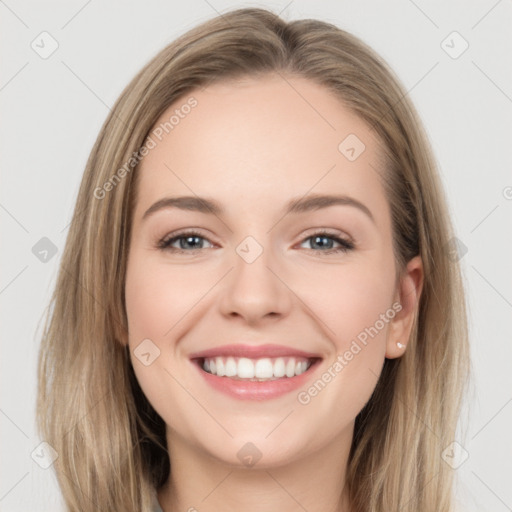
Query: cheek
159,296
354,307
350,298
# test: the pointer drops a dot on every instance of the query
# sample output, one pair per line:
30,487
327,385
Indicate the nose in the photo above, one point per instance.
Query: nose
255,290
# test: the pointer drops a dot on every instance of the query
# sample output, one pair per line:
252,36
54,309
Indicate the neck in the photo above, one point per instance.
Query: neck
314,482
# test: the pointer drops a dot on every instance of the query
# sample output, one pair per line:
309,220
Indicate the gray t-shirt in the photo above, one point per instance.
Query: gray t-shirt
156,504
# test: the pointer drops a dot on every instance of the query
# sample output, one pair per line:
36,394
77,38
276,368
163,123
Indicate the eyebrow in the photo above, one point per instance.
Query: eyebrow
297,205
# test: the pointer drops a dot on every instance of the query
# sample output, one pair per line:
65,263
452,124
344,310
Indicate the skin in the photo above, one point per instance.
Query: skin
252,145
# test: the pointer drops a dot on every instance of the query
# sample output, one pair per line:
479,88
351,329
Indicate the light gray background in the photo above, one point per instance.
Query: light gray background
52,110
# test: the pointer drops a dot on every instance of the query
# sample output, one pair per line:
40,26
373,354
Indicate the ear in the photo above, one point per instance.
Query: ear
408,295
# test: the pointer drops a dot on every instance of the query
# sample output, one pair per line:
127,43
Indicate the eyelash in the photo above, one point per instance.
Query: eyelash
345,245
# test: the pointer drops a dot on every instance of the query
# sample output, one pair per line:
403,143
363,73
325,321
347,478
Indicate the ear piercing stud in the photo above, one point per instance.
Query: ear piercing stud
400,345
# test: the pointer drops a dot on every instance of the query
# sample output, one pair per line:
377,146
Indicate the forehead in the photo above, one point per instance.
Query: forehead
267,138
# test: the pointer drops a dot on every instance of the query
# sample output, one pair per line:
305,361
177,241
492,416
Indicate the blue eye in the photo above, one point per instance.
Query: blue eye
191,241
186,240
318,239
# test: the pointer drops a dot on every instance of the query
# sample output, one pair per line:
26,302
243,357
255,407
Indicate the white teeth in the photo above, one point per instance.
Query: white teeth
290,367
256,369
263,369
231,367
245,368
220,367
303,367
279,367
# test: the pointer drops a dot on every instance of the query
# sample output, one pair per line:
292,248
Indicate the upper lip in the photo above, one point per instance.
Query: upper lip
252,352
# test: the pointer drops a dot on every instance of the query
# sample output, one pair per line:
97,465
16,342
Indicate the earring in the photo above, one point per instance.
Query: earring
400,345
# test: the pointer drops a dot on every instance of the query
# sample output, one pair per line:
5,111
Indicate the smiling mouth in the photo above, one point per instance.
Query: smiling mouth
256,370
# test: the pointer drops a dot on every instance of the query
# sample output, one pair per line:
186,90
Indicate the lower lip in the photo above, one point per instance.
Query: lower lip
252,390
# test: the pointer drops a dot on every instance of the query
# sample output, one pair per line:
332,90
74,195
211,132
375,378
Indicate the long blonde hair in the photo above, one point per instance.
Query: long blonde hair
111,444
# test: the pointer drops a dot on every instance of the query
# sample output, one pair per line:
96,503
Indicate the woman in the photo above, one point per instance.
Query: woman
256,307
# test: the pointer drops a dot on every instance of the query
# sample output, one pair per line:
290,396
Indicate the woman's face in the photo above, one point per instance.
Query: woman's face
261,288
